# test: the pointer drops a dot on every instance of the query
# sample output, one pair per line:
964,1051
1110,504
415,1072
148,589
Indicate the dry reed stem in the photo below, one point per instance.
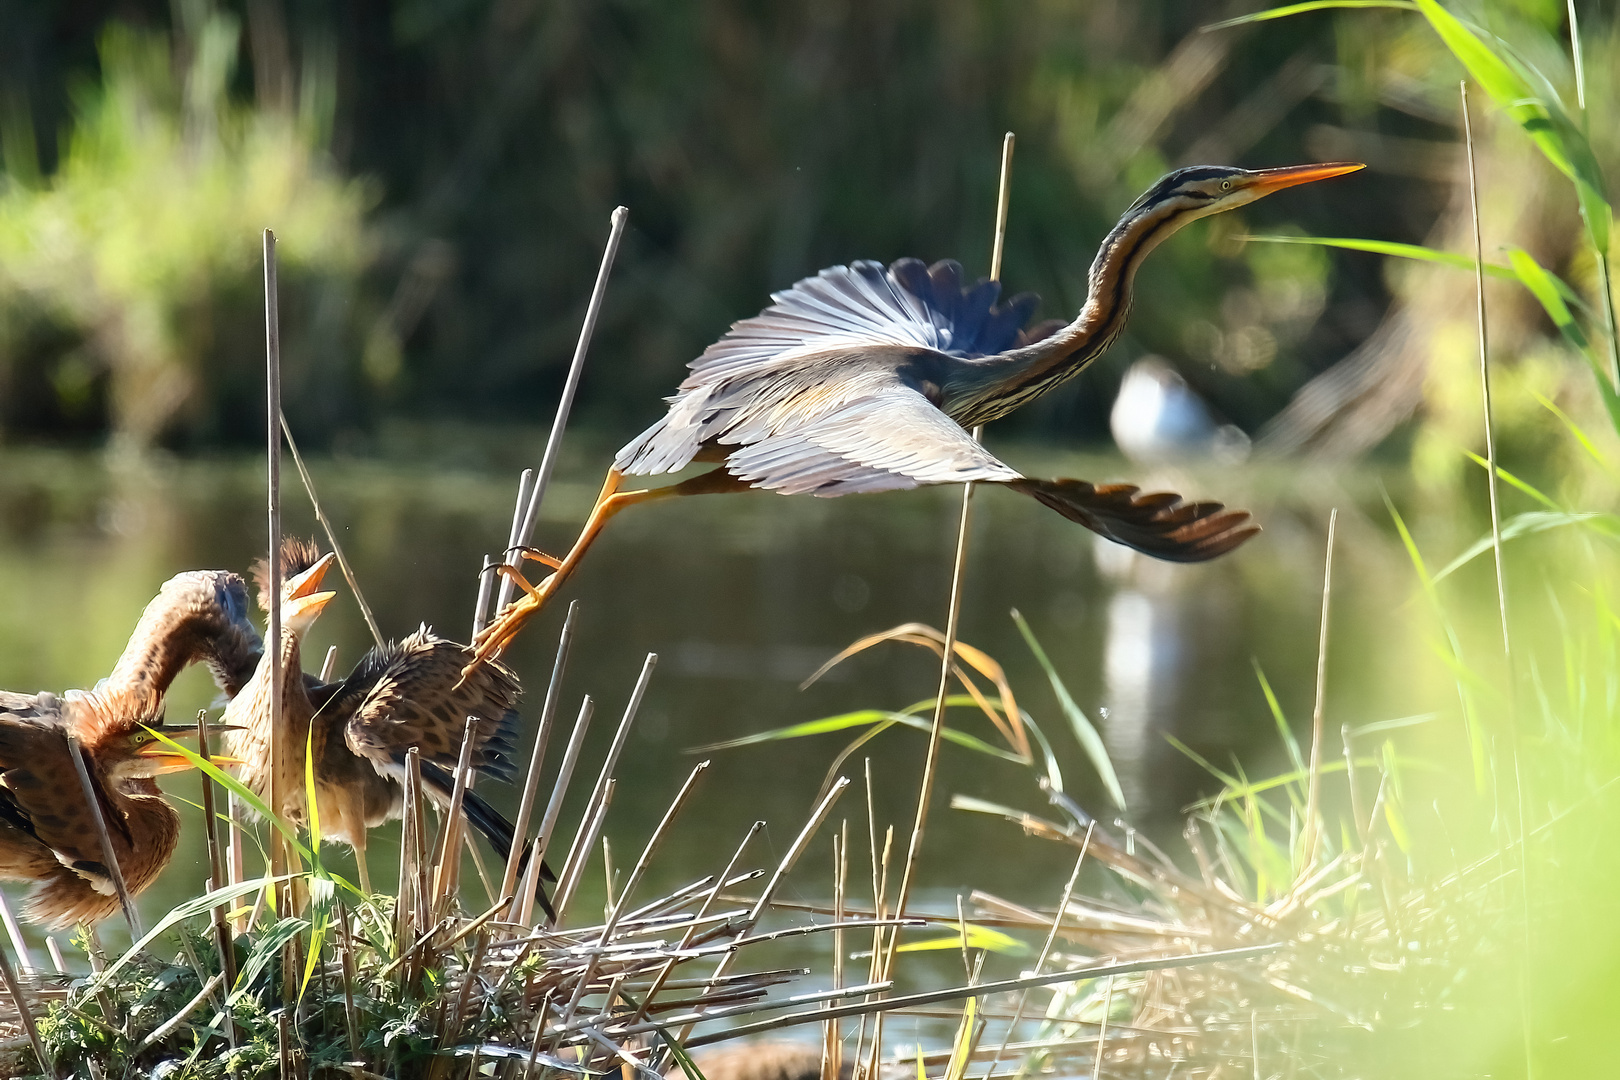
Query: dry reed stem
1313,791
280,753
9,975
486,578
953,615
331,534
448,856
548,824
565,403
1046,950
542,737
114,871
569,879
14,932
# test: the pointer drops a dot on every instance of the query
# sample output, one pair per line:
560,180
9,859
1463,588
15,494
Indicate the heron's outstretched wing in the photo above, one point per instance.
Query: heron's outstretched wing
1161,524
845,323
891,438
907,304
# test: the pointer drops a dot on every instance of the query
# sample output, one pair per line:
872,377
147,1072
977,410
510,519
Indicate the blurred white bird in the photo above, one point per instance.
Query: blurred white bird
1158,419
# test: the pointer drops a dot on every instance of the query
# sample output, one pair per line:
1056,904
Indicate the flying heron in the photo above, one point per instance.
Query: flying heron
864,379
400,695
47,833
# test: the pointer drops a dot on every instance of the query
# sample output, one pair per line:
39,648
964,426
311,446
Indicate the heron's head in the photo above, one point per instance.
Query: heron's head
139,754
1201,190
303,601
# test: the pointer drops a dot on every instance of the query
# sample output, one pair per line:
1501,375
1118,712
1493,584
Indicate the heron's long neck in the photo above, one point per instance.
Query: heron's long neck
999,384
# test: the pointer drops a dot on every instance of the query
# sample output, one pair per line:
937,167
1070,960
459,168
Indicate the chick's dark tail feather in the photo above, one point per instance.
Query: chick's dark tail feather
486,819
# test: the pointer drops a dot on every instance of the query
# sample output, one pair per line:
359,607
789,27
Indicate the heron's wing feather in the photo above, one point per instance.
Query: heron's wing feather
907,304
891,438
1161,524
413,699
42,797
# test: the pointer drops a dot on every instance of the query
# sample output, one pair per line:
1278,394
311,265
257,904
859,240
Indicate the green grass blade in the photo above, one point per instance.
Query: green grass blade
1530,523
1090,741
978,937
1309,5
1283,729
1580,436
1388,247
1522,485
241,790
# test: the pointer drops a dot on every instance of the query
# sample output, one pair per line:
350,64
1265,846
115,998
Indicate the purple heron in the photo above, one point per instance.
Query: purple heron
47,833
862,379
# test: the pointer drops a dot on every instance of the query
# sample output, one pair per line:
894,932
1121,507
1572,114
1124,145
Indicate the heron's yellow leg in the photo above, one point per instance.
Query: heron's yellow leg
359,836
517,579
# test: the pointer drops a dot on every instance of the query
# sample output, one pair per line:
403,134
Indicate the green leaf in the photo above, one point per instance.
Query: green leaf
1090,741
1522,485
1544,286
978,937
863,718
241,790
1580,436
1309,5
179,913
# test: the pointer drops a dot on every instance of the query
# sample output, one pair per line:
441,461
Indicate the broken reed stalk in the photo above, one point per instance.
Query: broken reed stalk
216,865
548,824
114,871
14,988
783,868
959,993
486,579
1313,790
590,829
1046,950
580,851
331,533
565,403
832,1045
448,857
953,614
14,932
660,980
542,736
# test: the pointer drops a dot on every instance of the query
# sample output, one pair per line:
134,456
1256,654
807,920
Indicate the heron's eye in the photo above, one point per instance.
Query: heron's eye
1226,185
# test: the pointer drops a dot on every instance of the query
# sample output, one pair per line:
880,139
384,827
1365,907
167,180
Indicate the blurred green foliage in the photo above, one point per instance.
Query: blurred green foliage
487,141
129,275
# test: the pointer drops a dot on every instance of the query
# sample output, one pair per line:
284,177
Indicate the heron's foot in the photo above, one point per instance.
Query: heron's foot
534,554
519,580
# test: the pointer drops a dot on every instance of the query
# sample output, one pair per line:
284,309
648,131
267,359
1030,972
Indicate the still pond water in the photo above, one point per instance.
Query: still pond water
742,597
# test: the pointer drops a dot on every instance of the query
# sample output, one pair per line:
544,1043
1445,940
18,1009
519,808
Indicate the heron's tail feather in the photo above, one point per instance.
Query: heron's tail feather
1161,524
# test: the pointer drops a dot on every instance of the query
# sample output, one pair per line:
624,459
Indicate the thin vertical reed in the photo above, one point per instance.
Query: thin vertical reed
216,866
328,664
114,871
580,851
953,614
486,583
542,736
548,824
14,932
565,404
1313,791
56,955
446,873
1102,1029
404,898
279,751
345,949
568,880
331,533
1496,547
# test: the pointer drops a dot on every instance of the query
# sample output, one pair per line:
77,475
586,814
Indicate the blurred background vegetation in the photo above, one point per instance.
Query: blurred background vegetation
441,171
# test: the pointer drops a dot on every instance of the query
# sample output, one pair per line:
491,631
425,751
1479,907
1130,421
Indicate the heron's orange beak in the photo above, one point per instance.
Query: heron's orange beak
166,760
1265,181
301,585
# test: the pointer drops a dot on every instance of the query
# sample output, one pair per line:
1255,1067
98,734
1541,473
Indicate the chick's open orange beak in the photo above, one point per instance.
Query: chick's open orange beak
1265,181
168,760
306,583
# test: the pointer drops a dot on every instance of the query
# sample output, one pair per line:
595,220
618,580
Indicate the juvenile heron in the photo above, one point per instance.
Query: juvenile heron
47,832
400,695
861,379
